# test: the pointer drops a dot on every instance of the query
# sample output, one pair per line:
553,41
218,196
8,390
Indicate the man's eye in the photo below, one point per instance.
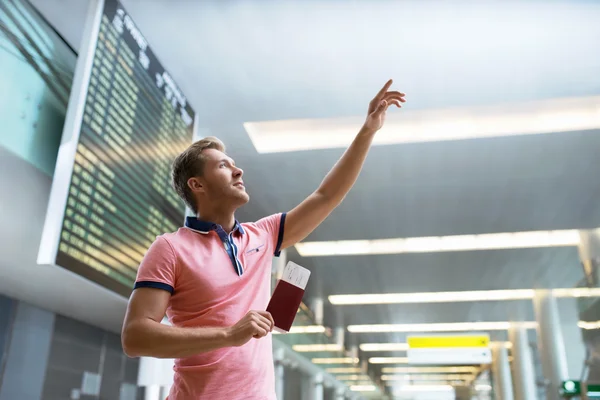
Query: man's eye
222,165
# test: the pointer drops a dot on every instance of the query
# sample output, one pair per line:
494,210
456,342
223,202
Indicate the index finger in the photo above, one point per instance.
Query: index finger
268,315
385,88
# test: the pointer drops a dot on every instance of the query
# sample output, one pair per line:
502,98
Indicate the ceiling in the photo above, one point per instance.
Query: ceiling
266,60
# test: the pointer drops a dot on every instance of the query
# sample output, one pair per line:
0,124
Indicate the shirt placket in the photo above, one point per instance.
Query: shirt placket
231,250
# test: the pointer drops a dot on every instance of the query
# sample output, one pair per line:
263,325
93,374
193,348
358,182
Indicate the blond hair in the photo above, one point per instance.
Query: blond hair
190,163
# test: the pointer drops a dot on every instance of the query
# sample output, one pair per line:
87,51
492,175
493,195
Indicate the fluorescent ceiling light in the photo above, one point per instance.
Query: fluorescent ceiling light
339,360
589,325
404,346
384,346
411,126
449,377
429,370
440,327
363,388
432,297
576,292
352,377
350,370
487,241
425,388
455,297
304,329
305,348
388,360
483,387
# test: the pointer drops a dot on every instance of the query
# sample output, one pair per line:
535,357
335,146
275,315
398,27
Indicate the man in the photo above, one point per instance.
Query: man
212,277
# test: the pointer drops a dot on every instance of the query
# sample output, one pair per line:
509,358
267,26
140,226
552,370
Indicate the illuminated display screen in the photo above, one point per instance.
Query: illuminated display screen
134,123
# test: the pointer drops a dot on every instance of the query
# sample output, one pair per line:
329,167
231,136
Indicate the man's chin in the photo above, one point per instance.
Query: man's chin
242,199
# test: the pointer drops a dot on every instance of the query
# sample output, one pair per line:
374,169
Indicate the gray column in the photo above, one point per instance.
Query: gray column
523,371
316,307
164,392
340,394
278,357
27,355
277,267
339,335
312,389
550,342
152,392
317,383
503,387
589,254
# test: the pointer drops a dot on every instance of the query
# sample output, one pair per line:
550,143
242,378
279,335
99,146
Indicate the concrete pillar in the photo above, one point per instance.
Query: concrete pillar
164,391
503,387
152,392
551,343
589,254
277,267
318,389
339,394
27,351
278,357
317,309
313,388
353,351
339,335
523,371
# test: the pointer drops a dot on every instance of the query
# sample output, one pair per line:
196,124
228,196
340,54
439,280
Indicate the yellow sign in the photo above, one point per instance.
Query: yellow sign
427,342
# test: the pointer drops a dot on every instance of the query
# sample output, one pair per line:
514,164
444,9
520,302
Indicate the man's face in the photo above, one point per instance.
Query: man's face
222,180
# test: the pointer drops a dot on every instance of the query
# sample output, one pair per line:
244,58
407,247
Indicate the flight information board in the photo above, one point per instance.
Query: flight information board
134,123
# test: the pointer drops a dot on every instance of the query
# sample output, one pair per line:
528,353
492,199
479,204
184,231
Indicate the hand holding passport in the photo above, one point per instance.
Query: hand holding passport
287,296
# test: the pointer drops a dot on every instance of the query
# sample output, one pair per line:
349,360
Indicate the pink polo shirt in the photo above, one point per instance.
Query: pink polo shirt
215,279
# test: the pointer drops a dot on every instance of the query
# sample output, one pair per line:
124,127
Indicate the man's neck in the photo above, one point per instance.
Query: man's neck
226,220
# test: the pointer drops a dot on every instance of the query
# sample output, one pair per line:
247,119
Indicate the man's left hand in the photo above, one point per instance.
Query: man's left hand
379,105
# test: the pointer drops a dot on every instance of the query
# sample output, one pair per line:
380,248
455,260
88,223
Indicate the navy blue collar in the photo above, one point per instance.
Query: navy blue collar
206,226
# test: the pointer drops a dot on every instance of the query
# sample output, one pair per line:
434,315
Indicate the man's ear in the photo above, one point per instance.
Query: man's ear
196,185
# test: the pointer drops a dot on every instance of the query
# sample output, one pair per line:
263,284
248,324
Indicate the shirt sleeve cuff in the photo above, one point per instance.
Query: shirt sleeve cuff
154,285
280,236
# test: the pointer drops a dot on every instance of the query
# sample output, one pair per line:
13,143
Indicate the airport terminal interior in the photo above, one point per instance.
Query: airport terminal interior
463,264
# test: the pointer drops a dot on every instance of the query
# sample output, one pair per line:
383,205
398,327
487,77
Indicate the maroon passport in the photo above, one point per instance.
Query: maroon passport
287,296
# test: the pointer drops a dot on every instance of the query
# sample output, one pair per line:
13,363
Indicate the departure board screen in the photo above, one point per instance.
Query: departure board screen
134,123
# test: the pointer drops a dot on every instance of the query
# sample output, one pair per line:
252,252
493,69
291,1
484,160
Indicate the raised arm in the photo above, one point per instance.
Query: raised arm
309,214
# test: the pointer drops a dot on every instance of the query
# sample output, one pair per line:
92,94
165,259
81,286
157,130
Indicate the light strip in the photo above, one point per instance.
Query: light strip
357,383
432,297
394,384
352,377
487,241
384,346
456,297
404,346
344,370
429,370
425,388
306,348
304,329
576,292
339,360
410,126
440,327
450,377
589,325
388,360
363,388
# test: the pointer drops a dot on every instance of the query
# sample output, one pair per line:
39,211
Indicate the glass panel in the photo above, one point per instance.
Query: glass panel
37,67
